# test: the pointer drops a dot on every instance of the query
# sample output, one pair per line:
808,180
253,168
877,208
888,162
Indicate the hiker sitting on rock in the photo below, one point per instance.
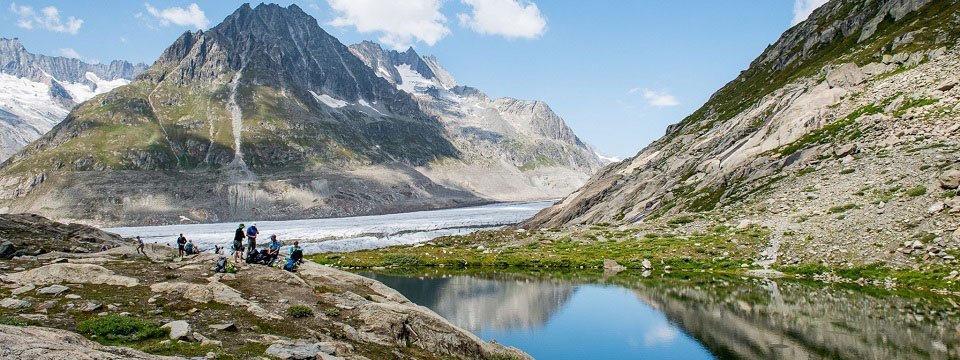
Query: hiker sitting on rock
189,249
274,250
296,257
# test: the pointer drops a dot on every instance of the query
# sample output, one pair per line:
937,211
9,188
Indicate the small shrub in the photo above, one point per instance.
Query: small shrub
680,220
332,312
300,311
917,191
842,208
12,321
121,328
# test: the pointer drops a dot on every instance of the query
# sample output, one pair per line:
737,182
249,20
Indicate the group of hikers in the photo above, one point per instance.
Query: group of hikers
267,256
243,252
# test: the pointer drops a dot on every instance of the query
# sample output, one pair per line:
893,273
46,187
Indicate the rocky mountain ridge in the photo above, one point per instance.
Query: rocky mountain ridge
38,90
268,116
531,149
835,138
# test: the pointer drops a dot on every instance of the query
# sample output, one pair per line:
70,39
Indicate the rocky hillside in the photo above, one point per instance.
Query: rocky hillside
263,116
69,306
532,151
841,138
37,91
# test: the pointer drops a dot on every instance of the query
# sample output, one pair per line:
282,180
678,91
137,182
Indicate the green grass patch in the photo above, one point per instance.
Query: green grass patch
842,208
121,329
917,191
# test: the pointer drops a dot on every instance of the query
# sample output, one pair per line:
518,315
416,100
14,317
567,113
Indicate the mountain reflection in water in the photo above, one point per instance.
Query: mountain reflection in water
572,315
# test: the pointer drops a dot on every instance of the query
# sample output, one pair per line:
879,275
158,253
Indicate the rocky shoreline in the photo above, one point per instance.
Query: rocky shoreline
56,298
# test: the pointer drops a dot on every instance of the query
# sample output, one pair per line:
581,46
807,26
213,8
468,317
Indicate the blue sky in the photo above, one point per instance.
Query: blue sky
618,71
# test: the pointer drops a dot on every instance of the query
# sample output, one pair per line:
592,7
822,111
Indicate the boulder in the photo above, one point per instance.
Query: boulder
22,289
7,250
844,150
213,291
612,265
646,264
224,327
294,350
845,75
91,307
11,303
70,273
179,330
31,342
53,290
947,84
950,179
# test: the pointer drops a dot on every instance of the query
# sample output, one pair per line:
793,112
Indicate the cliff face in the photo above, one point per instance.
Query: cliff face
823,136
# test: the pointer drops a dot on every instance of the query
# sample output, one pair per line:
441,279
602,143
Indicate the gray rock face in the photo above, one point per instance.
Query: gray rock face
294,351
53,290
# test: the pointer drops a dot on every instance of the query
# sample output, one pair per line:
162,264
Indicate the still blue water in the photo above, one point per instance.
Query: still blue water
602,322
589,315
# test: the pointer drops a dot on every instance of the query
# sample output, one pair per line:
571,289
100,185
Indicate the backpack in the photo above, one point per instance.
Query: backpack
291,265
221,265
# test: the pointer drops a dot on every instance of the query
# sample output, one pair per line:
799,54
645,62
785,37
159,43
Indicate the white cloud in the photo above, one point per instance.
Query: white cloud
507,18
192,16
68,52
663,334
400,23
656,98
47,18
803,8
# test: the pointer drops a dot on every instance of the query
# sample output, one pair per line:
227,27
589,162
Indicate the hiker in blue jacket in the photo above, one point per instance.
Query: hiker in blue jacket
252,233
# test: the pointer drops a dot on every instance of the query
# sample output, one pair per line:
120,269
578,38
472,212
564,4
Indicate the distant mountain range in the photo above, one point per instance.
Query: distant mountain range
268,116
37,91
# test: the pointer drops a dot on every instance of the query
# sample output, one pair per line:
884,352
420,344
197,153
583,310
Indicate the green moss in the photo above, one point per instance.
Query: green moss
847,171
917,191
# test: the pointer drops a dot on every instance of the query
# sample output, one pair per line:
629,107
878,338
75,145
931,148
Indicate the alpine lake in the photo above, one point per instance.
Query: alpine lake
589,314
